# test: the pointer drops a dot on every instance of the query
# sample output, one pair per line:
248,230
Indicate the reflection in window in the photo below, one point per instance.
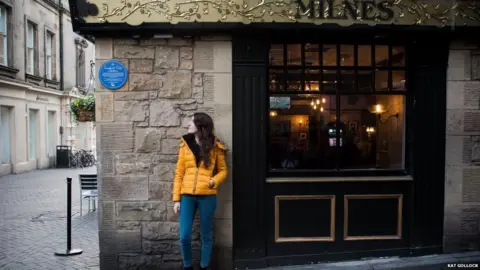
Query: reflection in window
374,134
307,94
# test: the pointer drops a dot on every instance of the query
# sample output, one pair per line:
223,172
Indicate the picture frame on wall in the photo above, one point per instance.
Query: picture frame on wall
352,127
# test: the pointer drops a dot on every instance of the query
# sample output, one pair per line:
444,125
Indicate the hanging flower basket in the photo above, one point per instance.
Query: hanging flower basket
83,109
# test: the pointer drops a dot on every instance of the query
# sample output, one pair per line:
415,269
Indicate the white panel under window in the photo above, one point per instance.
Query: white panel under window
30,48
32,134
3,36
51,134
5,129
48,55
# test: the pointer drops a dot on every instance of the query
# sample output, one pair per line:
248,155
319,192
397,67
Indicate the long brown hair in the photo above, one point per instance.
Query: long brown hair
204,124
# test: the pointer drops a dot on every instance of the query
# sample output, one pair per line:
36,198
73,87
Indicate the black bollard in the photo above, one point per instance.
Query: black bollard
69,251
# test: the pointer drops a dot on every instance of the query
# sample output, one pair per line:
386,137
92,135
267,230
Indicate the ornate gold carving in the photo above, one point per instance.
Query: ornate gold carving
421,12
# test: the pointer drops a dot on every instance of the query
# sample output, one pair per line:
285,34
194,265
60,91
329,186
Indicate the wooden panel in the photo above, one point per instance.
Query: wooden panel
294,225
373,217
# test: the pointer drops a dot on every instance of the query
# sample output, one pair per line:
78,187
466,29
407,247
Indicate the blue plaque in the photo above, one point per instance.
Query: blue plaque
113,74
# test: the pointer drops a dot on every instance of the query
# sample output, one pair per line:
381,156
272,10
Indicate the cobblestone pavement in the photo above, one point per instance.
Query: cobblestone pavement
33,222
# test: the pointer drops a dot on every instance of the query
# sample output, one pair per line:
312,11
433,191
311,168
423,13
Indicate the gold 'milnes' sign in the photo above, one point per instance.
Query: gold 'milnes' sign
342,12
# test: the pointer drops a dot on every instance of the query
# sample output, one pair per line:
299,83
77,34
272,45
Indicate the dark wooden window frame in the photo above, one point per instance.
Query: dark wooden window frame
408,168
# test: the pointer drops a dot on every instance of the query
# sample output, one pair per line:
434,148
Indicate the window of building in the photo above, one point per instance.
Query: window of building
337,107
3,36
49,55
80,67
51,122
5,131
32,134
31,48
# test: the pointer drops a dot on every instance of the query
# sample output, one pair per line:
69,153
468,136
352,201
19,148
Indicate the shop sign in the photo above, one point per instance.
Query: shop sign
113,74
42,98
341,12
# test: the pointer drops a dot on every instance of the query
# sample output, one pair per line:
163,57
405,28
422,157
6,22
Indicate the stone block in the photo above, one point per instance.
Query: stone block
131,110
120,241
140,66
134,52
146,82
171,215
455,121
159,190
223,88
459,65
140,262
166,57
215,38
455,95
176,133
164,171
453,179
470,184
224,209
186,53
148,139
128,225
223,232
471,121
475,72
223,57
103,48
157,231
104,107
115,137
180,41
170,146
108,261
145,211
128,96
186,64
468,94
125,41
130,163
125,188
454,150
99,85
162,114
165,159
106,164
177,84
166,247
106,214
153,41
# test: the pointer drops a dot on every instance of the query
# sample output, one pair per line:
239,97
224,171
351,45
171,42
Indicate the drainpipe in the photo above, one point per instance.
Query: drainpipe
62,83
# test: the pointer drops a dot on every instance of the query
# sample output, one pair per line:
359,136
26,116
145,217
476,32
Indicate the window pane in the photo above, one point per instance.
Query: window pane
51,134
364,55
276,54
294,54
3,20
330,55
398,80
48,44
3,50
347,81
294,80
381,55
5,127
31,36
347,57
312,80
371,140
365,80
30,59
49,67
329,83
398,56
312,52
381,80
276,79
302,135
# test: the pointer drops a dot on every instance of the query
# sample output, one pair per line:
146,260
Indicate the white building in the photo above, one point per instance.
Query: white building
44,65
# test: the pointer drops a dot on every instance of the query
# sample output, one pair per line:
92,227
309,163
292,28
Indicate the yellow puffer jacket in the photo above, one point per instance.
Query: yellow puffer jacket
193,180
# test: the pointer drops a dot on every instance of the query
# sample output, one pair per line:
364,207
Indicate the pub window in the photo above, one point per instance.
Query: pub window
337,107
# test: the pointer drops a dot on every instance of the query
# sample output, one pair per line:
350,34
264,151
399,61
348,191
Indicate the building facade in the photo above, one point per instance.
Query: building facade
41,71
351,127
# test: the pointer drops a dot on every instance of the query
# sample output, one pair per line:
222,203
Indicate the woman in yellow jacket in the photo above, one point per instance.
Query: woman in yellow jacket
201,168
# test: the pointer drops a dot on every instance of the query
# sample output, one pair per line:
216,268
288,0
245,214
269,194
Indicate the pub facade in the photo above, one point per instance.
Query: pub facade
352,127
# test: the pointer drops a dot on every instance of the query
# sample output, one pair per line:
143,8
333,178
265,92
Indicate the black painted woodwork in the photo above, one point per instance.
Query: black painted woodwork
249,121
254,198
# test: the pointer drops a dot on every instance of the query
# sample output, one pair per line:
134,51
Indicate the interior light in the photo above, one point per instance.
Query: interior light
318,101
321,109
324,100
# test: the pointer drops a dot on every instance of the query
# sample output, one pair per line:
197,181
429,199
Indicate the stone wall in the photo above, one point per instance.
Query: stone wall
138,131
462,181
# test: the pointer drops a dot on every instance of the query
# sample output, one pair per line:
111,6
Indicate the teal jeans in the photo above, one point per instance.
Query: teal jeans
188,207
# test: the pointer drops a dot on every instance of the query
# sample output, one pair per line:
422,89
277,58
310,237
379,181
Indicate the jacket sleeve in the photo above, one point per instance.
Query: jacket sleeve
179,174
221,166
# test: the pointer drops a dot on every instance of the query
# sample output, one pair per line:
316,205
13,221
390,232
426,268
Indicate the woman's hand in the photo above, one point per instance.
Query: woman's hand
176,207
211,183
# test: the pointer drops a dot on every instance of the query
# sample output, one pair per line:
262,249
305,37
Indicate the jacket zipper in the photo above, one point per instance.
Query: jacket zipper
195,182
